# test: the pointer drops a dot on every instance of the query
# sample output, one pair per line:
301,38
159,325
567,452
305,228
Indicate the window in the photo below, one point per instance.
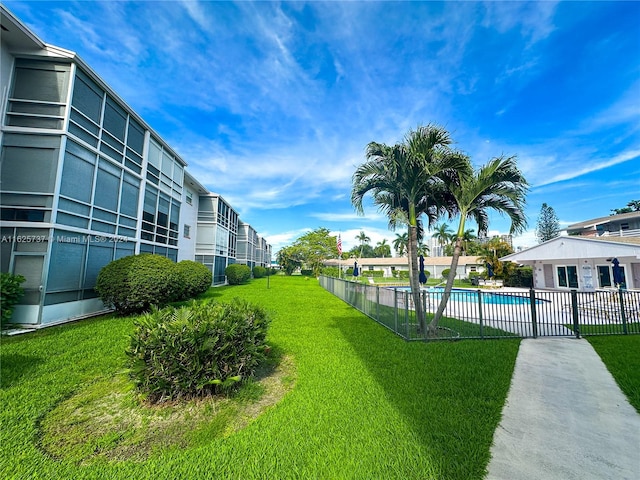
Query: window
604,276
107,186
29,163
87,97
189,198
567,276
187,231
624,226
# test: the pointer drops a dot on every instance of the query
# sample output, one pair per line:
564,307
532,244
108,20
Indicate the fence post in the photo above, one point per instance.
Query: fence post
480,313
377,303
395,309
574,312
534,313
623,314
406,312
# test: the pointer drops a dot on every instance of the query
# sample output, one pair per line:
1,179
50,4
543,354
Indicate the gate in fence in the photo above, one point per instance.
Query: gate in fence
495,314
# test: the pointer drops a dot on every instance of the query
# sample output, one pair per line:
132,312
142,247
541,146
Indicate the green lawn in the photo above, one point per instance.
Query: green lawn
621,355
365,405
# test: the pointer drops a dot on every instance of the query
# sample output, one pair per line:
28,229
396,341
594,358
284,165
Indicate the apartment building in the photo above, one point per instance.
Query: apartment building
85,180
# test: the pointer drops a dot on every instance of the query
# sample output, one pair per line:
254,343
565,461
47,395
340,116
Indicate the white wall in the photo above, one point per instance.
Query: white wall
188,216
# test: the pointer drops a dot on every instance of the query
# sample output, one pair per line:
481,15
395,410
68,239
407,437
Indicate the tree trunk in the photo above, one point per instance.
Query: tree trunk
449,286
412,248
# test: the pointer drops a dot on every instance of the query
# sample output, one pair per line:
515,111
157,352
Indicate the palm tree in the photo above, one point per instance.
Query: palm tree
382,248
443,234
363,239
499,185
467,236
423,249
408,180
400,243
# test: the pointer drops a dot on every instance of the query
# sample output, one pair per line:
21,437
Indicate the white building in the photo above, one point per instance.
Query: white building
85,180
581,263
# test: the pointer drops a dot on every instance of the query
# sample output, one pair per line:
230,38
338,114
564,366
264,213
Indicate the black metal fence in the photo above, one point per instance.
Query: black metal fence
503,313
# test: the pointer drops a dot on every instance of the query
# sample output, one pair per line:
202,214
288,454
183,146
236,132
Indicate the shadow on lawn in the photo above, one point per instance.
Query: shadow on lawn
14,366
451,393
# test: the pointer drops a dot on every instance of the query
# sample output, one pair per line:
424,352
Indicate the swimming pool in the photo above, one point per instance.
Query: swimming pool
461,295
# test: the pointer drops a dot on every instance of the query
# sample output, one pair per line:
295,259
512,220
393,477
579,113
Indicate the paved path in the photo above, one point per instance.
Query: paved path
565,418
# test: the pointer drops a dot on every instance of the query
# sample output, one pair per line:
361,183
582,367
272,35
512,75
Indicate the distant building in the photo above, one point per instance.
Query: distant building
85,180
623,225
582,263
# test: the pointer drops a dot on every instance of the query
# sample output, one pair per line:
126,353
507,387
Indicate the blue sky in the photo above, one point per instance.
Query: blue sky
272,104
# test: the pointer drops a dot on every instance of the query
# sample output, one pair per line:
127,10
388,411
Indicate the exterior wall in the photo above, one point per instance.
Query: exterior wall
188,224
85,181
217,235
584,274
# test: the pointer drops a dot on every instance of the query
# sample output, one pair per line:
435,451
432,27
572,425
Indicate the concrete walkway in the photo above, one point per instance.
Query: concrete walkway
565,418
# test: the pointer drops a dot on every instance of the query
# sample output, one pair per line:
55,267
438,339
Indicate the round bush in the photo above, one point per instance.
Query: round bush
196,350
193,278
10,293
133,284
259,272
237,274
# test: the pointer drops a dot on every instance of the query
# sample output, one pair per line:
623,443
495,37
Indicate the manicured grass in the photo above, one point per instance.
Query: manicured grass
365,403
621,355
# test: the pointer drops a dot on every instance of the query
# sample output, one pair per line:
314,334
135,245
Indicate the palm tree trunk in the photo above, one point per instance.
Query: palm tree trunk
449,286
412,249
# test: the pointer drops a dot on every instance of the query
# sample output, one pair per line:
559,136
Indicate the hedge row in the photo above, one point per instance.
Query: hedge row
133,284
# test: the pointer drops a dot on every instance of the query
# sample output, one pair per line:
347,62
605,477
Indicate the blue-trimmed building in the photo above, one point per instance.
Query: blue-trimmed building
85,180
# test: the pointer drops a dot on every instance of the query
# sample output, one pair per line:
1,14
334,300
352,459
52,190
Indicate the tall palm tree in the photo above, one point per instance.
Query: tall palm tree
408,180
400,243
467,237
363,239
443,234
382,248
499,185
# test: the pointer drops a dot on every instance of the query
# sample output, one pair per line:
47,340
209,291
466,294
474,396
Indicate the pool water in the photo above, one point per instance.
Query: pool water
461,295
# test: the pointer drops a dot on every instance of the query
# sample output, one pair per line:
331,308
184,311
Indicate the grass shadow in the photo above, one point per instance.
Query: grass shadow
14,366
451,393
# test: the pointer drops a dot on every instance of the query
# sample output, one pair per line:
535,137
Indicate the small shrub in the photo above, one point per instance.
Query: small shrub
259,272
445,272
237,274
193,278
331,271
196,350
10,293
306,273
520,277
133,284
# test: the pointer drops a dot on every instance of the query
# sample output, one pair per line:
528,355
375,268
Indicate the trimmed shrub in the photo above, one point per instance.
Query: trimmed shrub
133,284
10,293
306,273
196,350
373,273
520,277
259,272
193,278
330,271
237,274
445,272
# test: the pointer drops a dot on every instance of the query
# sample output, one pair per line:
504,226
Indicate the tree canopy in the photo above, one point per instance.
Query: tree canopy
548,226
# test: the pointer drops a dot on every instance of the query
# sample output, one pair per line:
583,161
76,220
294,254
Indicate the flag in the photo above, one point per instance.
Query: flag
339,246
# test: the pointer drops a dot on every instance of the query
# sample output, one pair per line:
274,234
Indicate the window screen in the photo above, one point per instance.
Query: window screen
87,97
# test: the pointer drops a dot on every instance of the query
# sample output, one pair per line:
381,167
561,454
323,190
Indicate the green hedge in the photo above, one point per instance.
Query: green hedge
306,272
133,284
259,272
373,273
521,277
196,350
193,278
237,273
10,293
